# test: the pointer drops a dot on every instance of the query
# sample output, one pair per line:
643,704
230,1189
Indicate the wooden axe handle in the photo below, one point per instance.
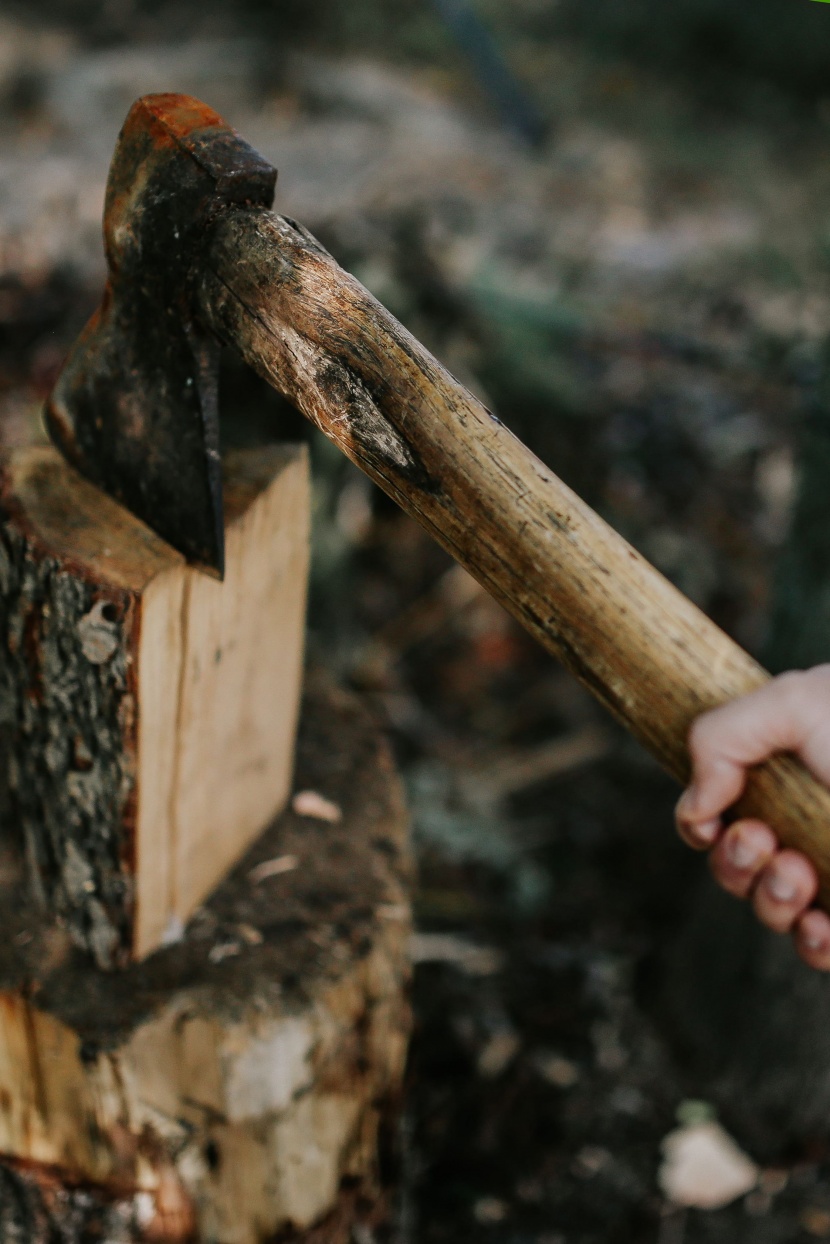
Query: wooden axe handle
309,328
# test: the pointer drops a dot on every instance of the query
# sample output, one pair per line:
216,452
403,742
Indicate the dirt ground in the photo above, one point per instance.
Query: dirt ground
643,298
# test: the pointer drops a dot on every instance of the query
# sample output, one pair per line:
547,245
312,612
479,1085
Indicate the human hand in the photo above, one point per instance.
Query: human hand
790,714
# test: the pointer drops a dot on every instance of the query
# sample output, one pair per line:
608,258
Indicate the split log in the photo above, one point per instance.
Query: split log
147,712
240,1083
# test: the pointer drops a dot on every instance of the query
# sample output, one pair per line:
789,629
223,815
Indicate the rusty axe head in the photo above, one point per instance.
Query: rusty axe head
135,408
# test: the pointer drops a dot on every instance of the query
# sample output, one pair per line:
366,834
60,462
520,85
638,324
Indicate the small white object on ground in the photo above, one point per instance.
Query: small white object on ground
447,948
312,803
273,868
704,1168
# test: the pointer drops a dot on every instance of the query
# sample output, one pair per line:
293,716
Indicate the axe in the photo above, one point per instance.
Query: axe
197,258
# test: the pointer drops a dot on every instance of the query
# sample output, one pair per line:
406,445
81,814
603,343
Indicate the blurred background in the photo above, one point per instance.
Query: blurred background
612,222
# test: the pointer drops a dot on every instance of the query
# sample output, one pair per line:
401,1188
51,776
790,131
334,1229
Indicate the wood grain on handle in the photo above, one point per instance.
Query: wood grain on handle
644,650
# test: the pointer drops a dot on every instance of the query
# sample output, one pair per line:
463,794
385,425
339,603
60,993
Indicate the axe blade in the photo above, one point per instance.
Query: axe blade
135,408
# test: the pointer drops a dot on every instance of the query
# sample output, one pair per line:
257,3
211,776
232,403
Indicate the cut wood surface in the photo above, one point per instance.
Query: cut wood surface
644,650
241,1082
148,712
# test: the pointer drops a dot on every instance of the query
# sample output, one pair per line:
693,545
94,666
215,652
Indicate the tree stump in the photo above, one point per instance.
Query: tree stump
241,1085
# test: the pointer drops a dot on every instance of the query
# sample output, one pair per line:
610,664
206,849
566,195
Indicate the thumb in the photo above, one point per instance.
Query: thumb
727,741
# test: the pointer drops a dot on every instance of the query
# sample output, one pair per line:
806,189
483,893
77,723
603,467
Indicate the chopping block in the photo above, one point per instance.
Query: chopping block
241,1085
203,990
148,711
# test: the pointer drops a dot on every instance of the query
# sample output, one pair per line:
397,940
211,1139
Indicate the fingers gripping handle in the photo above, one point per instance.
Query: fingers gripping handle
787,797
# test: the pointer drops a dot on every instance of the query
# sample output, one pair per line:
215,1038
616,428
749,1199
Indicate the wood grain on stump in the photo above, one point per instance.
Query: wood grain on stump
235,1087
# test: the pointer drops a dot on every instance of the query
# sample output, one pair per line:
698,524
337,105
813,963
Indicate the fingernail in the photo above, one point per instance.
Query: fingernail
814,941
779,888
742,854
707,831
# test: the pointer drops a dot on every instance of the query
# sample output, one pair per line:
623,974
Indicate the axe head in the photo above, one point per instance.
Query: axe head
135,408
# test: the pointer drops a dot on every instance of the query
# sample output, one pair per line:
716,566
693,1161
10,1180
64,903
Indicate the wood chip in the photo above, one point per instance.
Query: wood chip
250,935
224,950
273,868
312,803
471,958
